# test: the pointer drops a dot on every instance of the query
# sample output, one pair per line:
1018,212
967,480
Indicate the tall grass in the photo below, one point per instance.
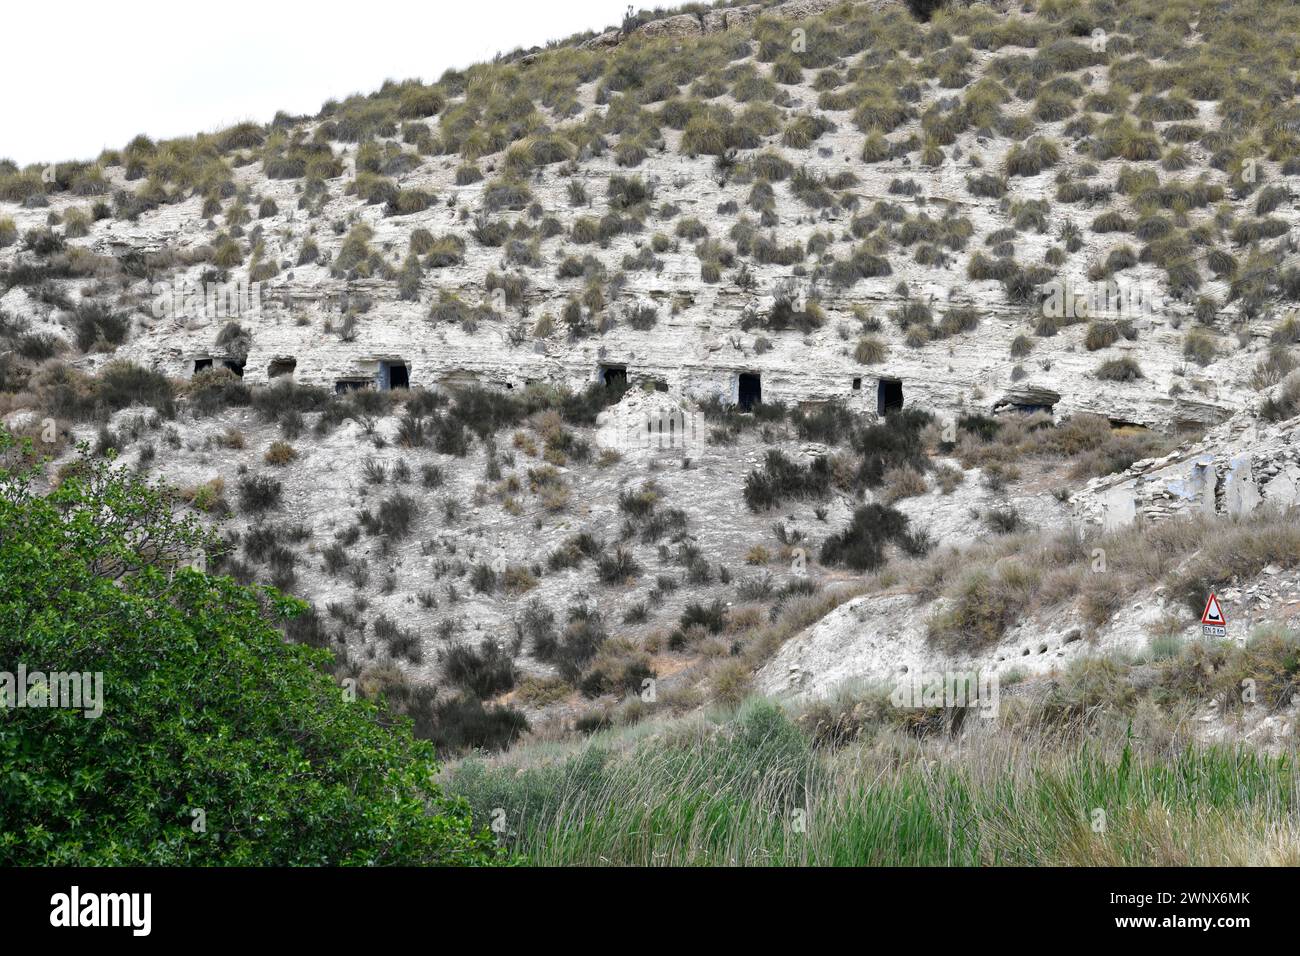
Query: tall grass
754,791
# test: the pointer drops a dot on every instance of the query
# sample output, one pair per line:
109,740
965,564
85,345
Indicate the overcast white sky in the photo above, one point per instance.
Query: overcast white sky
81,75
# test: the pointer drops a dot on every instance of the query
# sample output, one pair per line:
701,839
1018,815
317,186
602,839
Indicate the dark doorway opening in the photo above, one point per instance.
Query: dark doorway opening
857,385
749,391
394,375
202,365
235,366
281,366
613,376
889,395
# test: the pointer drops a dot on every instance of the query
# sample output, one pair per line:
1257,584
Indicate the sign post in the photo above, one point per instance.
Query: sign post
1213,623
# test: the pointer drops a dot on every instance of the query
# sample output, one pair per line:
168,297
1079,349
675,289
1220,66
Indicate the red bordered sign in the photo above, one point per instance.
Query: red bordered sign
1212,620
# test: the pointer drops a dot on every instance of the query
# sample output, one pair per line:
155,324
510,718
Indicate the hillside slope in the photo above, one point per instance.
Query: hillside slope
570,371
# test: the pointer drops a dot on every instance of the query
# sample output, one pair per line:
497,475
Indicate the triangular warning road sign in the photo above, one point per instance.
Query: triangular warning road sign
1213,613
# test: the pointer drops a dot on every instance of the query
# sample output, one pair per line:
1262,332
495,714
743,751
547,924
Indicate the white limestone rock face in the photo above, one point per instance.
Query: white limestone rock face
1238,467
1241,492
716,21
866,640
610,38
21,421
682,25
646,425
878,639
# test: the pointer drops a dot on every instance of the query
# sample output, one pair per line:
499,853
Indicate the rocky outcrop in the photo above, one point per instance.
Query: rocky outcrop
879,640
720,21
803,9
647,425
603,41
682,25
1238,467
716,21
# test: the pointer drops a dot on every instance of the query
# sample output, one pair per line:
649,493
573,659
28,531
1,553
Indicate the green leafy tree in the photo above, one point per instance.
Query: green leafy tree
219,742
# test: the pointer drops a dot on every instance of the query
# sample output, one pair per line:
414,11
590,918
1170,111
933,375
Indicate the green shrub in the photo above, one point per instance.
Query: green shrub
504,194
981,606
870,350
1100,335
1199,346
468,174
712,616
1119,370
372,188
408,201
324,781
118,385
804,129
1285,404
76,223
485,672
1031,158
95,325
707,134
861,545
780,478
458,724
445,250
259,493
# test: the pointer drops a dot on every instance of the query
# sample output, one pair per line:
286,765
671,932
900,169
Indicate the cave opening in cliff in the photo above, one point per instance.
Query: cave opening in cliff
345,385
749,391
202,365
235,366
393,375
889,395
613,376
281,366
